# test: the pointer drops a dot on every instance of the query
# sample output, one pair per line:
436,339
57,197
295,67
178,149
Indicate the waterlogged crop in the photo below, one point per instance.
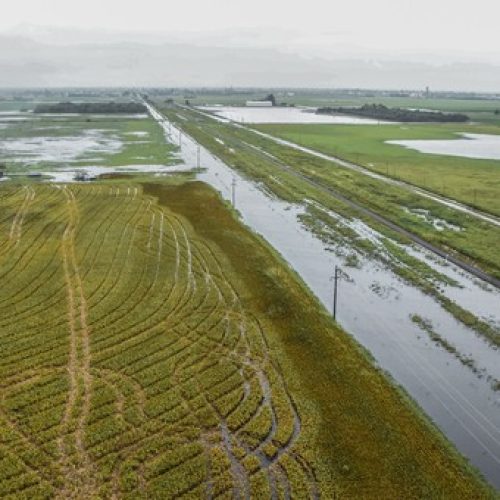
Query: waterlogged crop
153,348
129,365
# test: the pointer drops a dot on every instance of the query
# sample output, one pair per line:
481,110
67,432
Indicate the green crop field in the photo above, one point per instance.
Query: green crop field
153,348
472,181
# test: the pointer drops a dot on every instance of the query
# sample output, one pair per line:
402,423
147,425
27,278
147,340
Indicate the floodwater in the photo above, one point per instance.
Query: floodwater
284,115
375,307
58,149
68,174
479,146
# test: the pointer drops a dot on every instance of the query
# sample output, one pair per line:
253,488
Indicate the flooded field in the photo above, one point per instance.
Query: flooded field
450,370
59,149
283,115
44,142
452,375
69,174
479,146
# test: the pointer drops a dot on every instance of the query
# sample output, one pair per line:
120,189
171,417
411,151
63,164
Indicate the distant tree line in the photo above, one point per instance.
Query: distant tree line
381,112
91,107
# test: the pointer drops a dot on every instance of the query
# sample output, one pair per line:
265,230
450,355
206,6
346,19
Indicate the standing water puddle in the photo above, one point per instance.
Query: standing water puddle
375,306
483,146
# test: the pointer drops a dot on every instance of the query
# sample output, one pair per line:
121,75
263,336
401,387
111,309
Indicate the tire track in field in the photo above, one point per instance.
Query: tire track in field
17,224
79,472
260,362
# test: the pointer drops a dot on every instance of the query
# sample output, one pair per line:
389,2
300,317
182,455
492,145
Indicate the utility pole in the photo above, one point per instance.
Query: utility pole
233,192
198,153
180,138
335,290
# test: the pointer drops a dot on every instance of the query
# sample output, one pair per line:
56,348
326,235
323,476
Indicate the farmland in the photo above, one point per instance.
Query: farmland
288,173
152,351
303,97
471,181
52,141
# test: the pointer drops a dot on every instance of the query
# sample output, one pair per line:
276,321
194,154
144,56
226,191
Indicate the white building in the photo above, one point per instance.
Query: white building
259,104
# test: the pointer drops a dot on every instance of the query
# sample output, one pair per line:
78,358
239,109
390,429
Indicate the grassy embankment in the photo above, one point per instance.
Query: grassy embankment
152,350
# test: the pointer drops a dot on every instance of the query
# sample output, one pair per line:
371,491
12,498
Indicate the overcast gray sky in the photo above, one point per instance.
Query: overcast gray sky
431,32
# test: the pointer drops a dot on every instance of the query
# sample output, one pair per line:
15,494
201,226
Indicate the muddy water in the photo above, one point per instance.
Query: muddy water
375,307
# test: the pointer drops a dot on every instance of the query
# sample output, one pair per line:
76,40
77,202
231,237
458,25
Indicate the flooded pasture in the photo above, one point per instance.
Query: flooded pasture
33,150
49,141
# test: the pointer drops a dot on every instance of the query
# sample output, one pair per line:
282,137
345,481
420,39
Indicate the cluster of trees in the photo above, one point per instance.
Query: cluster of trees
381,112
91,107
271,98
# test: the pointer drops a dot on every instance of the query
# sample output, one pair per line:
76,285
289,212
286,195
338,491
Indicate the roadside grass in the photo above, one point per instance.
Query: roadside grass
475,182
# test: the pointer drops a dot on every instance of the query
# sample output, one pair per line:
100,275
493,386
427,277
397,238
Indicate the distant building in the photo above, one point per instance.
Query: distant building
259,104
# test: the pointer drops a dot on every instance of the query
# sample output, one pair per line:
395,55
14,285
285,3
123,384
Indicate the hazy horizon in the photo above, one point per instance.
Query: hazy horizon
381,44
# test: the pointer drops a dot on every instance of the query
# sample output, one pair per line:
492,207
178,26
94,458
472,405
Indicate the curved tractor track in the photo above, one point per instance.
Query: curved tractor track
130,366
